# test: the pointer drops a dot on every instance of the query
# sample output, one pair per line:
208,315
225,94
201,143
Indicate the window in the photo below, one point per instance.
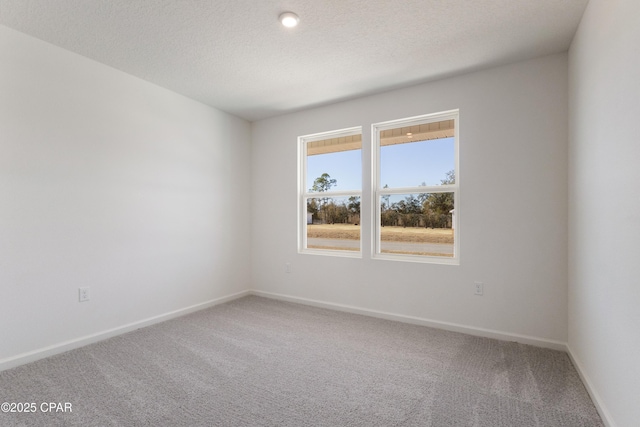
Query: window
415,191
330,189
414,197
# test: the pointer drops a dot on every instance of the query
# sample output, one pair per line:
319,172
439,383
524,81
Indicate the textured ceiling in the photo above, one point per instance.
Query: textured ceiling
235,55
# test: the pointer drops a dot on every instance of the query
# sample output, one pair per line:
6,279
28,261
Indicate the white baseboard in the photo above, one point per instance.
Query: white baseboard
41,353
454,327
595,397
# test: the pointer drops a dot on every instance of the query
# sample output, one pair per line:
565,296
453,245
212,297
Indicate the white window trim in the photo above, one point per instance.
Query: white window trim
304,194
377,192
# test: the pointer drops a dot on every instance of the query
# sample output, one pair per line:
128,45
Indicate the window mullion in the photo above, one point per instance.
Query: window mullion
325,194
416,190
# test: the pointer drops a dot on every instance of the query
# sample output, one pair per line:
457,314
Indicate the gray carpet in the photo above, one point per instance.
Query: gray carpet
260,362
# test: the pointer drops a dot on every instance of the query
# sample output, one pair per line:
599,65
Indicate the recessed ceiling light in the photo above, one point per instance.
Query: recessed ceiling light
289,19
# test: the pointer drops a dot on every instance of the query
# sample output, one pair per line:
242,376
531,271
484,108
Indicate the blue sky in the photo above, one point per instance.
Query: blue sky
401,165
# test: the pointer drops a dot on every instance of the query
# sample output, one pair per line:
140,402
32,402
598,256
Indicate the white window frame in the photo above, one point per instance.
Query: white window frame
304,193
378,192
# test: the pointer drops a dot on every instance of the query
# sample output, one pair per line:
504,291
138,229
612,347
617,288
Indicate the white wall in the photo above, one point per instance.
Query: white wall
604,205
110,182
513,210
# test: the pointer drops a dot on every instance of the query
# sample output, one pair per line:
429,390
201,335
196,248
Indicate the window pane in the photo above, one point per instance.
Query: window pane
334,164
417,155
417,224
333,223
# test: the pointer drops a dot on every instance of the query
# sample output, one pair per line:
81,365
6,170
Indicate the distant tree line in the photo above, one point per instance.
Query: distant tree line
326,210
430,210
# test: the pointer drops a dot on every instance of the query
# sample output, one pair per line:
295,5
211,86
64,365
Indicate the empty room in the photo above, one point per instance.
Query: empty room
319,213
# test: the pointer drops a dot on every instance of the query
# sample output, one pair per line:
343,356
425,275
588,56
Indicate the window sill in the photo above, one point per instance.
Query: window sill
417,258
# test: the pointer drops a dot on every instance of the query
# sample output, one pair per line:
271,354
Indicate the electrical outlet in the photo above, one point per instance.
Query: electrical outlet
479,288
287,268
83,294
